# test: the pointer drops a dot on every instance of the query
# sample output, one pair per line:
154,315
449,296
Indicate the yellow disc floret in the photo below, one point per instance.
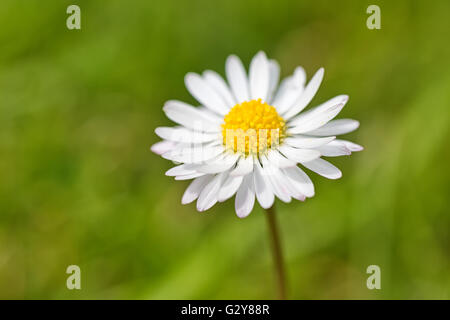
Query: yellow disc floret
252,127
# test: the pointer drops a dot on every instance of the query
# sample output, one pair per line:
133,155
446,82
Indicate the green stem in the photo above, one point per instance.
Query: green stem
277,253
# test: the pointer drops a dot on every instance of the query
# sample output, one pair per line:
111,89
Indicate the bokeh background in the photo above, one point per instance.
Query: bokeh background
78,184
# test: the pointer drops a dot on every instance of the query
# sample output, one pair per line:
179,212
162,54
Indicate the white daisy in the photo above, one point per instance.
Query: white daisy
249,135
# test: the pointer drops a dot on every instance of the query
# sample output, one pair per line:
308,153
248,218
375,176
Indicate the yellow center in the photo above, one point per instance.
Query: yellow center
252,127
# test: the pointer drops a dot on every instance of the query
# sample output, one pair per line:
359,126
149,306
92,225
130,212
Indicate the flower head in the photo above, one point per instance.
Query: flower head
249,135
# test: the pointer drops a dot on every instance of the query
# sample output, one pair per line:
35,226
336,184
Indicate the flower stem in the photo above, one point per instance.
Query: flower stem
276,250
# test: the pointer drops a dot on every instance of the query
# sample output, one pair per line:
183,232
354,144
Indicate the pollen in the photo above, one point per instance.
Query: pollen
252,127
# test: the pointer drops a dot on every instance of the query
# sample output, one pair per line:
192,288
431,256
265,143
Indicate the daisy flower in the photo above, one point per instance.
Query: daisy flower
249,136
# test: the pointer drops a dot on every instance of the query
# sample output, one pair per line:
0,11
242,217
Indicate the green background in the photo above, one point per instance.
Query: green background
78,184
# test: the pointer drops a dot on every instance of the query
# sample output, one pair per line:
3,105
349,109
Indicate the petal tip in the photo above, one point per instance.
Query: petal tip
337,176
155,148
242,214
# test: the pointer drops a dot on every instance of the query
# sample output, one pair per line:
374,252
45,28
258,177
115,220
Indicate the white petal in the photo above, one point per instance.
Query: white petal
244,166
300,76
194,154
324,168
184,135
179,171
208,196
318,116
229,187
191,117
190,176
307,142
217,82
263,190
334,149
270,173
194,189
162,147
336,127
299,155
274,72
290,90
306,96
210,114
294,192
288,187
245,197
278,188
259,76
222,163
278,160
283,90
205,94
300,180
237,78
353,147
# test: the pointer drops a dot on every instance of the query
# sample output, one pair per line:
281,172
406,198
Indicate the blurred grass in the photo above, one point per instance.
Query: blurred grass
79,185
